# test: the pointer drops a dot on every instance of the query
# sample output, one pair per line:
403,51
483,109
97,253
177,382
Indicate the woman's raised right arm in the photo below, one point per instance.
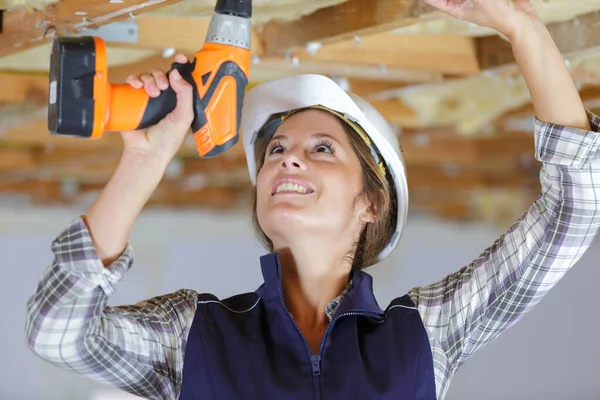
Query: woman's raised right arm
146,154
138,348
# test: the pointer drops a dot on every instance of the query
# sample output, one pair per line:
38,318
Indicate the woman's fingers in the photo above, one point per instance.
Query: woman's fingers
181,58
134,81
156,79
161,78
150,84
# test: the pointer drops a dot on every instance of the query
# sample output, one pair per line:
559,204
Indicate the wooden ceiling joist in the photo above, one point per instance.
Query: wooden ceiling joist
22,29
21,87
572,38
34,132
272,67
436,67
343,22
361,35
186,35
445,147
437,53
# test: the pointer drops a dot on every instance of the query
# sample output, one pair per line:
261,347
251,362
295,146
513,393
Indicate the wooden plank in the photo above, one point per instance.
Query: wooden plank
268,68
15,159
343,21
21,87
167,194
22,29
38,192
90,165
446,54
451,176
397,113
87,165
170,193
35,132
185,34
274,66
432,147
370,87
363,79
501,206
48,191
572,38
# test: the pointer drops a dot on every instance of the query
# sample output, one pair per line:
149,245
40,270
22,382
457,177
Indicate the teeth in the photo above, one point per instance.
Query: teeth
291,187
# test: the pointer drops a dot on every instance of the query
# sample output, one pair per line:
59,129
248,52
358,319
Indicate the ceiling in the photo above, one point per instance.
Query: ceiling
462,112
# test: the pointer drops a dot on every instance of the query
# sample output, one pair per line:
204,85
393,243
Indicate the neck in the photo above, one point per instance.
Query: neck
312,276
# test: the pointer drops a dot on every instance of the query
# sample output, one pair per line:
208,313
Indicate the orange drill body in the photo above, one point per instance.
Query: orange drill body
85,104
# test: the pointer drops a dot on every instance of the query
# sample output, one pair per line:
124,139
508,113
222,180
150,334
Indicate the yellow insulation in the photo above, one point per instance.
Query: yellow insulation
26,4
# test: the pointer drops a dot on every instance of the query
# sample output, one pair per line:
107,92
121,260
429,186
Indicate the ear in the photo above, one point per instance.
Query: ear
369,214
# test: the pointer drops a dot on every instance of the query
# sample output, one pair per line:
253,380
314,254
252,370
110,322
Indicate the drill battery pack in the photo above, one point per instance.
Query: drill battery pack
71,87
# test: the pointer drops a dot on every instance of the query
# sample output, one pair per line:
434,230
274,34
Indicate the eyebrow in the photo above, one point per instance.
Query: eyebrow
314,136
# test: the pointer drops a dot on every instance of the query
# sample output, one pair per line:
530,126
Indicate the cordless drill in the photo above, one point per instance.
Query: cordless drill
82,103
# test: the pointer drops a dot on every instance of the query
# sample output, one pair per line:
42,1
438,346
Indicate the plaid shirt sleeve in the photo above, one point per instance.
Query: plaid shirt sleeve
471,307
137,348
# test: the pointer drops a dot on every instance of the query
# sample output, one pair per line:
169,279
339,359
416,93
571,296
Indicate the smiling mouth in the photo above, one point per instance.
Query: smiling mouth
289,187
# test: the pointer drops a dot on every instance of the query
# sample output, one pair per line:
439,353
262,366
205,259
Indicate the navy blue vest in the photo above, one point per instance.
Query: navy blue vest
249,347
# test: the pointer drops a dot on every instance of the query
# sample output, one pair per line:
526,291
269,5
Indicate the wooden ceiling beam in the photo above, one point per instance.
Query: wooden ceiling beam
357,31
22,87
573,37
23,29
342,22
447,54
370,87
452,176
267,68
429,147
14,159
184,34
35,133
397,113
501,205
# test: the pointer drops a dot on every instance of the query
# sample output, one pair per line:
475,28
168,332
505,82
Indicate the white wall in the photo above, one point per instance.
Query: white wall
551,354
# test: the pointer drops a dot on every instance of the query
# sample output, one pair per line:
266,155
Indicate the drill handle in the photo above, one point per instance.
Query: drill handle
158,107
218,96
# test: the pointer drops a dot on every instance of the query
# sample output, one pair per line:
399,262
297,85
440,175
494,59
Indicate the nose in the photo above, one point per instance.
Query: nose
292,161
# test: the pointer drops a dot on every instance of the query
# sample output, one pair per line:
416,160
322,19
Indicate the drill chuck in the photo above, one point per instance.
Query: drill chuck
238,8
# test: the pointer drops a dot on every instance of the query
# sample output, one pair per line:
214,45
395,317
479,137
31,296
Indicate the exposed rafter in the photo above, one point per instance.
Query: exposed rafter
573,38
22,29
342,22
464,114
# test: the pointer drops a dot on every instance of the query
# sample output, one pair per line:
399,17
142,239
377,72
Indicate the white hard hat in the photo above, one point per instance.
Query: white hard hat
302,91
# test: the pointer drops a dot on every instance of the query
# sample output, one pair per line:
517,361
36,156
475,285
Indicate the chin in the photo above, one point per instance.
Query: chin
285,214
285,218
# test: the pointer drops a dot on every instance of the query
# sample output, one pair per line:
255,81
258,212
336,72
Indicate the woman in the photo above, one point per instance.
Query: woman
314,327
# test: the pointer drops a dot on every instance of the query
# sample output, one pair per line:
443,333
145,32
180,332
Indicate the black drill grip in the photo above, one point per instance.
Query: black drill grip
158,107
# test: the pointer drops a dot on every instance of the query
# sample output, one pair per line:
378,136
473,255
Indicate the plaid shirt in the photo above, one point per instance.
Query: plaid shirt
140,348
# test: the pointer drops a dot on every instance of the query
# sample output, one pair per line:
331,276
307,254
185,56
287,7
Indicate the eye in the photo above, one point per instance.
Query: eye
325,146
275,147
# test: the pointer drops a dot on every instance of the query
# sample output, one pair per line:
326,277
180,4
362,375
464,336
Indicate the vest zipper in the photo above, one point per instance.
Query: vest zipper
316,369
316,364
315,359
